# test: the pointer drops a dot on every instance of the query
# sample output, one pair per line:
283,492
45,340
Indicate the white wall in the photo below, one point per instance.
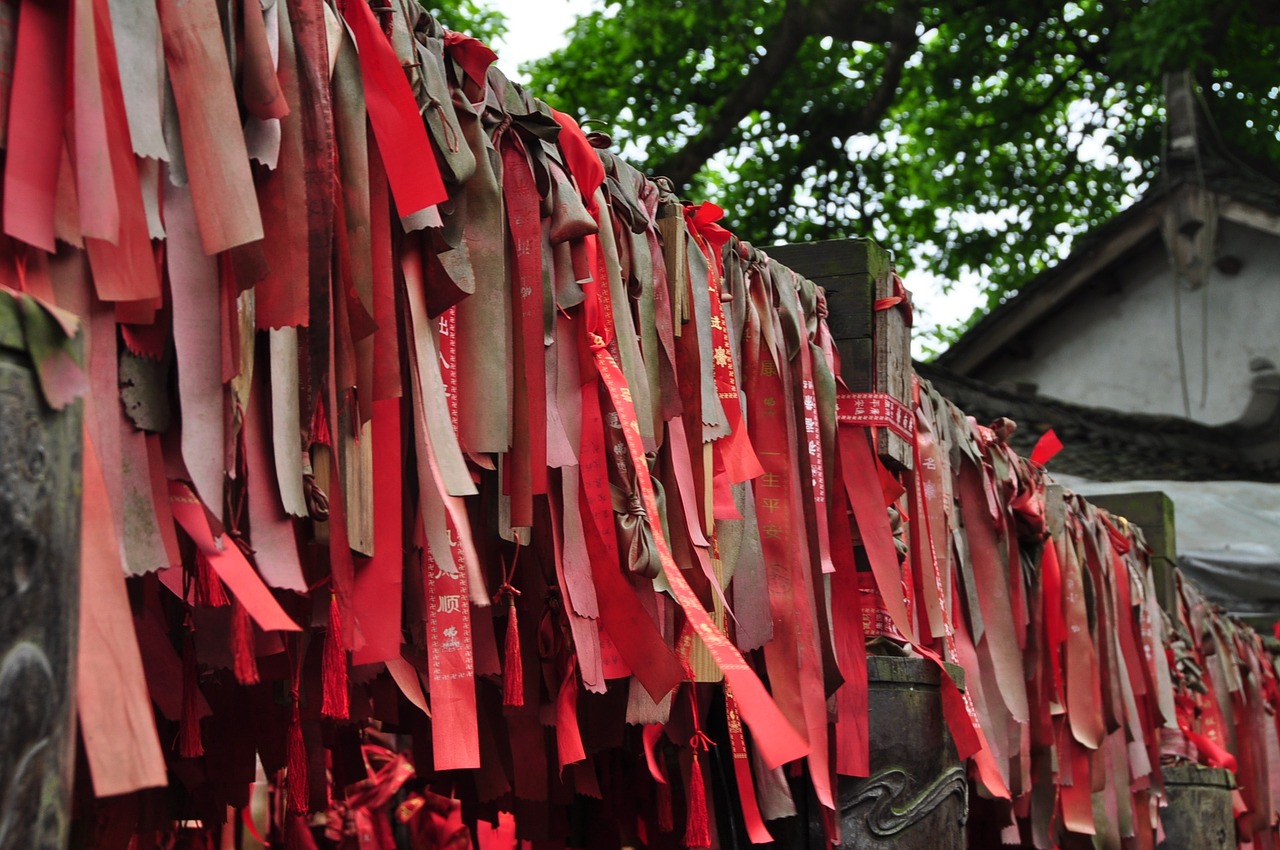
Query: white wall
1119,349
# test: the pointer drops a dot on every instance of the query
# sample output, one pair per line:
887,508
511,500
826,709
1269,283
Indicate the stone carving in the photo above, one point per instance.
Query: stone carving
39,596
883,800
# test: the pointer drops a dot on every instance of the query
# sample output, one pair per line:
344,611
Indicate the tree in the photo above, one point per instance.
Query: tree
974,136
474,17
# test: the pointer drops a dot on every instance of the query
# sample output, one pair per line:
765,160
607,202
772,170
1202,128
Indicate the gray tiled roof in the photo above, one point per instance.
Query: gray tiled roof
1110,445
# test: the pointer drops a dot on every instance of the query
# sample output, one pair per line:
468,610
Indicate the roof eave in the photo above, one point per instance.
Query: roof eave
1052,288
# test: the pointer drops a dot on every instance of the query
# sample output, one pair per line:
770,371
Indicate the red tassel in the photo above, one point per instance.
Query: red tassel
242,646
334,667
209,587
513,674
666,820
320,433
697,833
189,743
296,753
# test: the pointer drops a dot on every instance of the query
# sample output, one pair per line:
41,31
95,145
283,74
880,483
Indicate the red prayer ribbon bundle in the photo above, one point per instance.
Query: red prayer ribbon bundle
344,360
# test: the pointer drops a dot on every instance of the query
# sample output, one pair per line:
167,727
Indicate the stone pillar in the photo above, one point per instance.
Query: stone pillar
1199,814
40,452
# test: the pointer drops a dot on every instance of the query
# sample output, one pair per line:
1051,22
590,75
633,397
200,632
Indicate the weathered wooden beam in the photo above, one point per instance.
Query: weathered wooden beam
891,342
833,258
874,346
39,599
1152,511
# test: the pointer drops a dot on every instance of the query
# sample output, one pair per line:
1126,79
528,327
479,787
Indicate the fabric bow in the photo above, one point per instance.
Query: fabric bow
635,536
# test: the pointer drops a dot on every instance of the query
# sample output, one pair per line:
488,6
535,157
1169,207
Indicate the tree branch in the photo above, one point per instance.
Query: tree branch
895,61
847,20
840,121
748,97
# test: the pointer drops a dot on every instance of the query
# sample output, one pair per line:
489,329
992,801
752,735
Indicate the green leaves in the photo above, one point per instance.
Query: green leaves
976,137
469,16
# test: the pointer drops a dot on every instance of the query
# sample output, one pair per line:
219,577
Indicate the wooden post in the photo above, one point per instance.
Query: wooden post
39,599
875,346
1152,511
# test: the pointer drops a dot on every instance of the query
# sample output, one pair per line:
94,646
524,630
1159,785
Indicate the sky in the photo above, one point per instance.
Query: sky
537,27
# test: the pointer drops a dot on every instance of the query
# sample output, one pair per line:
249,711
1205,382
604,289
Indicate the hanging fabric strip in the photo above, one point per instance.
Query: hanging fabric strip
95,186
197,324
586,631
928,516
627,625
862,483
852,734
228,562
528,457
448,595
136,27
123,270
484,317
811,442
397,124
739,458
995,596
217,161
380,579
275,542
737,453
387,383
1084,709
626,340
818,668
757,832
429,362
454,730
36,120
448,589
116,718
282,193
778,742
260,87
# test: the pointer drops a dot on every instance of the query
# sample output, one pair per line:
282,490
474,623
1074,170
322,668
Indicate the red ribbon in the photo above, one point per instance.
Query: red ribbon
861,481
757,832
472,55
582,159
778,741
625,623
1046,447
228,561
527,462
398,127
36,120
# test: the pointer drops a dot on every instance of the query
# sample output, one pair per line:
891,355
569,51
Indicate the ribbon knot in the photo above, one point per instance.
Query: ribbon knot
317,500
505,590
635,507
450,135
635,529
700,741
900,298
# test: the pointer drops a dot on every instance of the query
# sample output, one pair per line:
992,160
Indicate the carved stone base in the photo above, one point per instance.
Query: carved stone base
917,797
